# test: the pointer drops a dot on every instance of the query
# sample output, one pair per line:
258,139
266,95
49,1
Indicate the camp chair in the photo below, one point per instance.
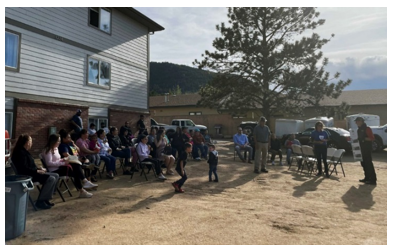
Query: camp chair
296,154
308,158
336,159
142,166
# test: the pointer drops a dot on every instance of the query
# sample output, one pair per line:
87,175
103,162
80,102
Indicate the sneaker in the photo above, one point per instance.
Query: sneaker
363,180
198,158
175,185
109,176
85,194
216,180
42,205
170,173
161,177
319,174
264,171
179,191
88,185
273,163
93,178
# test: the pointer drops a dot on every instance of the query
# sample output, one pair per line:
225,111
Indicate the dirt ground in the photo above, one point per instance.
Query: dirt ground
281,207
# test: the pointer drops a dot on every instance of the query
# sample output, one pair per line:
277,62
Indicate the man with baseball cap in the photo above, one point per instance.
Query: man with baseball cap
366,137
262,142
199,144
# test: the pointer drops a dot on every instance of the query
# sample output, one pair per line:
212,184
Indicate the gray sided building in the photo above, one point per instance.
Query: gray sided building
59,60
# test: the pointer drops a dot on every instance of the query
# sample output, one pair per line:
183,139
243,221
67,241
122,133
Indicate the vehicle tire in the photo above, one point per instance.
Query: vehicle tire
248,130
377,144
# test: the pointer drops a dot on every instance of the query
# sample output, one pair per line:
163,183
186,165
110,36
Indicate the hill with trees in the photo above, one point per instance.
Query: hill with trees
171,78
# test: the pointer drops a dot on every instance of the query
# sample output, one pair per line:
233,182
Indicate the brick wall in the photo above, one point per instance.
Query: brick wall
35,117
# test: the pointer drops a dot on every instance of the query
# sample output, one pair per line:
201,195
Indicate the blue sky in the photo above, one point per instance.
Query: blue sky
358,51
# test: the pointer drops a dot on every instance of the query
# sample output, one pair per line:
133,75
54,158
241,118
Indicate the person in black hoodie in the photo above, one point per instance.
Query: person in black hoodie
177,141
118,149
25,165
366,137
213,162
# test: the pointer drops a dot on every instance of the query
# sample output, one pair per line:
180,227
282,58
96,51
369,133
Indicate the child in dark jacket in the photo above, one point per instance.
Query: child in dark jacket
213,162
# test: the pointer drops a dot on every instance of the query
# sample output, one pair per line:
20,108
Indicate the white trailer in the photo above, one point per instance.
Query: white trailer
327,122
288,126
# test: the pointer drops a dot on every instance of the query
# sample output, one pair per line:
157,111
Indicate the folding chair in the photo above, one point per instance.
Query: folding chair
235,154
308,158
336,159
296,154
330,154
142,166
62,180
37,184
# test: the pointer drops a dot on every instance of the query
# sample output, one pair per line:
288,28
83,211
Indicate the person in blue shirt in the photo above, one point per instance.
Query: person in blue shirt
319,138
241,143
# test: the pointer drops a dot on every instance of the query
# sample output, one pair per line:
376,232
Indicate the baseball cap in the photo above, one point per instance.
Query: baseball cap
197,130
262,119
79,111
359,119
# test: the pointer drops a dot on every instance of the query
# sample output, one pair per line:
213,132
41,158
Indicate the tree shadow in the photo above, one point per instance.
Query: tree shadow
360,198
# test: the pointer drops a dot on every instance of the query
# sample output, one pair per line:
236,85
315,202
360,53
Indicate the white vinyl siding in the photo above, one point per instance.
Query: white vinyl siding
128,39
49,67
98,112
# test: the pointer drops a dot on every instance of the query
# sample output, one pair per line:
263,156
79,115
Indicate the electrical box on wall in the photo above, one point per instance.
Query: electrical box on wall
52,130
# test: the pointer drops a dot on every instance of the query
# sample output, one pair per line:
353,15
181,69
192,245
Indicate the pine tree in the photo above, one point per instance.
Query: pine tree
263,62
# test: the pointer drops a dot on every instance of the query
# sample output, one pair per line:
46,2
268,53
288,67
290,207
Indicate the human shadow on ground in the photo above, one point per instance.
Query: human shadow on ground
360,198
145,203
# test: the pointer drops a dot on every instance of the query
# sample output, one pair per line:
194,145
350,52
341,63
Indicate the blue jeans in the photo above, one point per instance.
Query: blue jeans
110,163
289,153
213,169
202,148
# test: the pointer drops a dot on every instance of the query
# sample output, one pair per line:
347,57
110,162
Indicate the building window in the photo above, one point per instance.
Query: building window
195,113
12,50
9,122
98,121
100,18
99,73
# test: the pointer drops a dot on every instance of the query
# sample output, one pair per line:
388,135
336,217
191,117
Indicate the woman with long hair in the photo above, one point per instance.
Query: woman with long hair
92,155
105,154
62,166
25,165
161,144
320,137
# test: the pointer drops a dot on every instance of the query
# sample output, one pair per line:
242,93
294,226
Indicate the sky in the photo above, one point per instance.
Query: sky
358,51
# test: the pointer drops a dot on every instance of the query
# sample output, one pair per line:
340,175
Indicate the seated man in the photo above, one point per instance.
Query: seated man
241,143
275,148
288,144
92,129
199,144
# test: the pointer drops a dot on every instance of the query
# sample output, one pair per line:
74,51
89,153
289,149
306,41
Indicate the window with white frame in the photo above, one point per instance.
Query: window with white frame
12,50
100,18
97,121
195,113
9,122
99,73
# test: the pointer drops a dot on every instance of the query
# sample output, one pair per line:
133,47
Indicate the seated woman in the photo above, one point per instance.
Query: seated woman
143,151
126,141
92,155
118,149
66,148
25,165
162,147
105,154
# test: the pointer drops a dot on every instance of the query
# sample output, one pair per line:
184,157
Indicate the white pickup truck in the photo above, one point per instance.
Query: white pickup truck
178,123
380,134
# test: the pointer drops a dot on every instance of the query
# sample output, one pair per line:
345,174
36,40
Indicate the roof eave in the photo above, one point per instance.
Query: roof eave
141,18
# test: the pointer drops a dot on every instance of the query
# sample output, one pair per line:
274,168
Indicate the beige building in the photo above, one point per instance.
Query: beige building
165,108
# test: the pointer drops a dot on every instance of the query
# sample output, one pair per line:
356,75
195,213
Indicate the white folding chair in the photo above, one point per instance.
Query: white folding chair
336,159
296,154
330,154
308,158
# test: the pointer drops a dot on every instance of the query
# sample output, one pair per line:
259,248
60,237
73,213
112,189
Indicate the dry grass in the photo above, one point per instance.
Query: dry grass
281,207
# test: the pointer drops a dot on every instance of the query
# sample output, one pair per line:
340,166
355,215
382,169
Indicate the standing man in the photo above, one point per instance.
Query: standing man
262,139
365,137
241,143
141,125
77,124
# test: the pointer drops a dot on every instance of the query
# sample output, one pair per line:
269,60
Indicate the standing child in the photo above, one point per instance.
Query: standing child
213,162
181,163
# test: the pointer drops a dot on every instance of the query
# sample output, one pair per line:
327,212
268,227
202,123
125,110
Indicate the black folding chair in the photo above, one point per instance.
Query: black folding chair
143,165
